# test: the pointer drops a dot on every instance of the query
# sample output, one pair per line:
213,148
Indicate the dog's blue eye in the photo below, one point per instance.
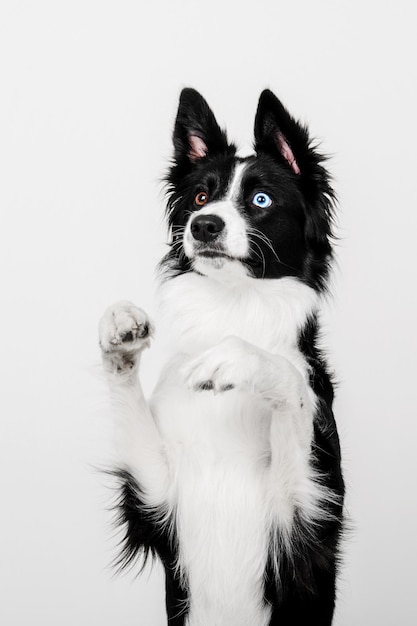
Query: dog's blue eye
261,200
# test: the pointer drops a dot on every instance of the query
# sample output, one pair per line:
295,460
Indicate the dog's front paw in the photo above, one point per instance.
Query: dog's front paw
231,364
124,331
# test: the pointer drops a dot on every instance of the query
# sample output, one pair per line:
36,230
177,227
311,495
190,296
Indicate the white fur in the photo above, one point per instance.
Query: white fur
231,465
138,442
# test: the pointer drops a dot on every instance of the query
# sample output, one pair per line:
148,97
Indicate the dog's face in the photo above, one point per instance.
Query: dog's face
268,213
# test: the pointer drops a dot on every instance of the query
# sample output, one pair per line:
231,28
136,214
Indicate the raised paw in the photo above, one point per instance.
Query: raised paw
124,331
233,363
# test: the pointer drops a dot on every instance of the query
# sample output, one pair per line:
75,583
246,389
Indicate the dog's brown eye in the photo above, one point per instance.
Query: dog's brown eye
201,198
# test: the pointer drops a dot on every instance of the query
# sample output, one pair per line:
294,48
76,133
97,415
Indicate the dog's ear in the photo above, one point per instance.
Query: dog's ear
196,131
276,132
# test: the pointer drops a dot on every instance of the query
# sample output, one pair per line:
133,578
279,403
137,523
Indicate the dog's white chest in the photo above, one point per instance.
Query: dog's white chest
217,448
218,445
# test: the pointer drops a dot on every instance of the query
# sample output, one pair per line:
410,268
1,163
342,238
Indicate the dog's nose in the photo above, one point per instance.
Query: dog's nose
207,227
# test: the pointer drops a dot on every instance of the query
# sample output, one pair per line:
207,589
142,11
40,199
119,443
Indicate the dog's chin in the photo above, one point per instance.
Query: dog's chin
215,258
217,264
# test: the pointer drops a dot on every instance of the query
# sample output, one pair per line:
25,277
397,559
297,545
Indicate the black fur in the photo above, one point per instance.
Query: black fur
299,224
148,533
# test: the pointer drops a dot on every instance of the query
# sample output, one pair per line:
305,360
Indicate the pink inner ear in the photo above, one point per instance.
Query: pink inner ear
287,153
198,148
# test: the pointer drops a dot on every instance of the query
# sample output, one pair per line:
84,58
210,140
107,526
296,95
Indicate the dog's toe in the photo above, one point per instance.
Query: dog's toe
124,328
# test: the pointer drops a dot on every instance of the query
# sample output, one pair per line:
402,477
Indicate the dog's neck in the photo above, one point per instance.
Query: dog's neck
199,310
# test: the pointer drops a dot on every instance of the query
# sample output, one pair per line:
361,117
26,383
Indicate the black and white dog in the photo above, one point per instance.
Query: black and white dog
231,473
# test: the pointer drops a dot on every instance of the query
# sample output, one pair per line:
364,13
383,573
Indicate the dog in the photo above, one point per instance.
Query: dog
231,473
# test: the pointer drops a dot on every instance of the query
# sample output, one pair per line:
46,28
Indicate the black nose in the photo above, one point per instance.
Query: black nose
207,227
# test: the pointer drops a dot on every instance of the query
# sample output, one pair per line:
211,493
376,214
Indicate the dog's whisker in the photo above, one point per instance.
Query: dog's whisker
266,240
261,255
268,243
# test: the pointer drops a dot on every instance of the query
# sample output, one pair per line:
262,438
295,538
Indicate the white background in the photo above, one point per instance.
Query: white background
88,97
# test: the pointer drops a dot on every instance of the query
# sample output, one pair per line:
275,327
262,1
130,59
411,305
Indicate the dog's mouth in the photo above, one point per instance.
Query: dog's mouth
216,261
212,253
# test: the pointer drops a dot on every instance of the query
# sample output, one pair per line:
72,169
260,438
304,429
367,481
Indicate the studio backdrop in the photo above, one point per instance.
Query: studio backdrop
89,92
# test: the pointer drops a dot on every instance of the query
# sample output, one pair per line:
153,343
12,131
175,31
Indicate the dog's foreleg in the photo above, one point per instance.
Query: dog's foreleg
295,486
283,388
235,363
125,331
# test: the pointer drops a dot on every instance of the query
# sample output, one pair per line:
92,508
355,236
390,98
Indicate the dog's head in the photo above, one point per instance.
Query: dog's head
270,213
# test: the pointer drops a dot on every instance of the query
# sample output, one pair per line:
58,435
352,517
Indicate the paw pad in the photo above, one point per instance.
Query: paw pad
124,328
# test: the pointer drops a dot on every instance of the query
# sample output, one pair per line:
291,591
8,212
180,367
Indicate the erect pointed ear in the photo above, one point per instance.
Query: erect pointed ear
196,132
276,132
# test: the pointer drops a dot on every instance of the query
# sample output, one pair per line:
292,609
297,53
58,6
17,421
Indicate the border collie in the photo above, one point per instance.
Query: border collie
231,473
